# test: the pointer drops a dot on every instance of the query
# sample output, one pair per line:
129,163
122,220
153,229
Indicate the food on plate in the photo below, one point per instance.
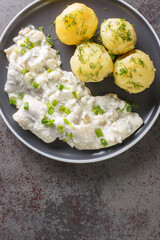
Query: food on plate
134,71
76,24
118,35
53,103
91,62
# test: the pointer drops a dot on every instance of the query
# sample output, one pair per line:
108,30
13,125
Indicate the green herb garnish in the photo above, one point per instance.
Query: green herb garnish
13,101
97,110
26,105
49,40
69,135
22,51
55,102
104,142
24,71
34,84
60,129
41,29
47,122
99,132
49,70
66,121
74,94
20,95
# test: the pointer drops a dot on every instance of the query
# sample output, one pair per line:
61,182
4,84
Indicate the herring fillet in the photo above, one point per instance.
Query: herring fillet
42,66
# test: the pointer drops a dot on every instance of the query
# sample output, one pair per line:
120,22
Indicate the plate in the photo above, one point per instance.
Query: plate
42,13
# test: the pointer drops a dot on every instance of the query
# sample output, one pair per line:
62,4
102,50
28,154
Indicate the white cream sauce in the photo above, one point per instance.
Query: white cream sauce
41,65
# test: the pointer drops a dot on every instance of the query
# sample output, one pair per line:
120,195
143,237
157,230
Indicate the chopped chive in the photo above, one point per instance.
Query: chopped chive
64,140
72,125
55,102
67,111
23,51
48,105
74,94
66,121
60,86
27,40
21,95
69,135
60,129
104,142
13,101
99,132
31,45
47,122
24,71
26,105
50,110
62,108
22,45
49,70
16,50
97,110
34,84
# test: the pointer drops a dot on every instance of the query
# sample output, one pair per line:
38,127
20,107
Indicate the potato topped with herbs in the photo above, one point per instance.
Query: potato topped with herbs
134,71
91,62
118,35
76,24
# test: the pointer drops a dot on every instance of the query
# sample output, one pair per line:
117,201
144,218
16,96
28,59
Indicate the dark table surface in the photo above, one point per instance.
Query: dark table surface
117,199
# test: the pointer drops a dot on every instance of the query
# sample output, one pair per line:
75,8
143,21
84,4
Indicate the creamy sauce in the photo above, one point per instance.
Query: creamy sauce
53,103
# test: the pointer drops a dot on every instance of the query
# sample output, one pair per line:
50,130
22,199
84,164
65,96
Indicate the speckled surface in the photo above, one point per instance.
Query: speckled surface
118,199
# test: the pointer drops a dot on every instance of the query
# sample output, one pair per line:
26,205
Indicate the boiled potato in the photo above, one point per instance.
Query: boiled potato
118,35
76,24
91,62
134,71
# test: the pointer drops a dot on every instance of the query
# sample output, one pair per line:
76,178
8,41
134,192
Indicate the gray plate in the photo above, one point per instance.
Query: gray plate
40,13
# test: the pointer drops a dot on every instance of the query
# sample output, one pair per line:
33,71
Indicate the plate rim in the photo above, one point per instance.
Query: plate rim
98,159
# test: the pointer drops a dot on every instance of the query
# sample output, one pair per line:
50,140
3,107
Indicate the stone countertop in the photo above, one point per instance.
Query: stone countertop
117,199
